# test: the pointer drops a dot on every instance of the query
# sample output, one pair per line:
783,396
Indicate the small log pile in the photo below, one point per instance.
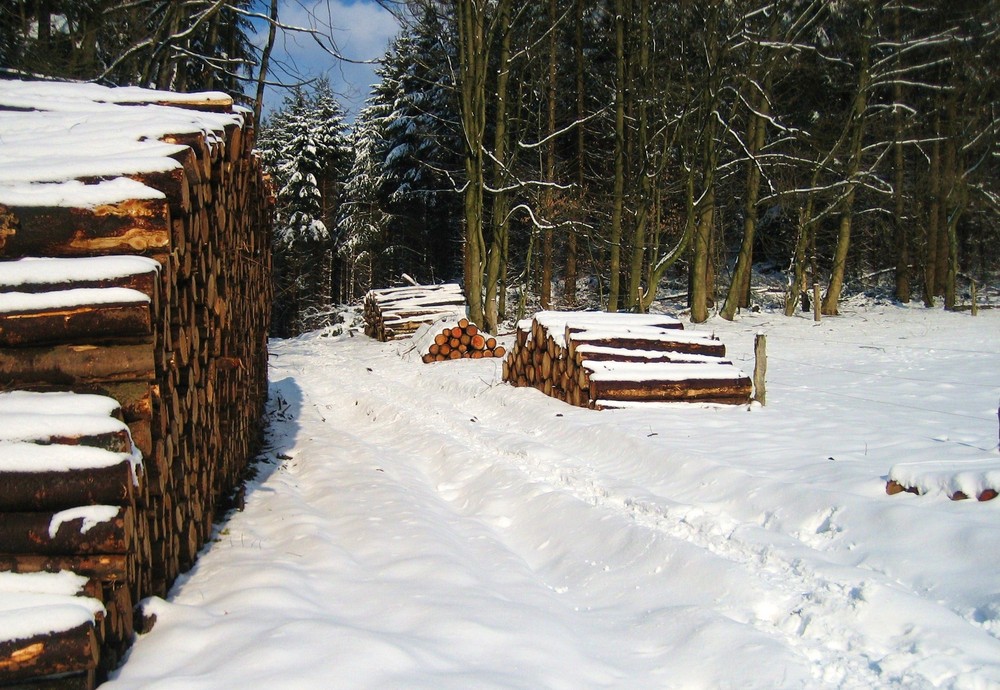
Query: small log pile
142,275
598,360
394,313
447,339
959,481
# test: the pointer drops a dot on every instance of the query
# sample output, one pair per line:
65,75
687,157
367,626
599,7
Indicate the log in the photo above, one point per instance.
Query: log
103,567
67,652
55,490
33,275
87,322
138,226
89,530
73,365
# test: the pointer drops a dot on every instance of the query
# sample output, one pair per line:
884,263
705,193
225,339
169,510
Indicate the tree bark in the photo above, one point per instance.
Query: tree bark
618,193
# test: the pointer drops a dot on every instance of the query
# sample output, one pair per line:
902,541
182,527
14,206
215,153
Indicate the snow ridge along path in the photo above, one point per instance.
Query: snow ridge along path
426,526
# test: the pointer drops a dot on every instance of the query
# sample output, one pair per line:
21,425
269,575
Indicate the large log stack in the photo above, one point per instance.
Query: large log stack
394,313
134,264
598,360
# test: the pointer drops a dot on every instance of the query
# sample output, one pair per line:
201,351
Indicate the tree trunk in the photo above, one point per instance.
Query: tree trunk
699,292
496,263
832,297
265,61
901,239
569,282
473,58
545,297
618,194
933,218
634,296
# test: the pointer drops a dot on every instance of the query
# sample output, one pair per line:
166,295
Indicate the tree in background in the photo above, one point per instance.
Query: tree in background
402,213
305,146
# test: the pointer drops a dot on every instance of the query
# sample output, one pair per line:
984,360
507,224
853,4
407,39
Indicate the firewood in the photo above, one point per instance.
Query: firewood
64,652
56,489
60,533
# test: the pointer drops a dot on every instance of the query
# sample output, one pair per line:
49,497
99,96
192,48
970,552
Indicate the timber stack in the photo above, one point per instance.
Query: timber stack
598,360
394,313
447,339
134,289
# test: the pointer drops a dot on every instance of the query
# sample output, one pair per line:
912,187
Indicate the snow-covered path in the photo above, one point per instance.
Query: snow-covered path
424,526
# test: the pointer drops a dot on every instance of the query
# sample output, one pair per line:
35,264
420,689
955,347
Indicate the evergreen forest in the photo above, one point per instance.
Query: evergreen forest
612,154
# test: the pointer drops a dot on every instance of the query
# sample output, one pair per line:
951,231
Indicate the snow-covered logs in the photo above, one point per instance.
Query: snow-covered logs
393,313
595,359
959,481
134,264
72,497
447,339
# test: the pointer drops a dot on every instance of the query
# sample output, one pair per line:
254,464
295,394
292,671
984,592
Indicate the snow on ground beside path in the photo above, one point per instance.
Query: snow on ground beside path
425,526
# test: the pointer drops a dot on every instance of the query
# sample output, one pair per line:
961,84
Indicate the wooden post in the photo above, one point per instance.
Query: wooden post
975,306
817,309
760,368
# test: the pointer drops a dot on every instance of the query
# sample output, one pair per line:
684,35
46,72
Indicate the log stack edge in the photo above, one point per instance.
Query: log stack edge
143,278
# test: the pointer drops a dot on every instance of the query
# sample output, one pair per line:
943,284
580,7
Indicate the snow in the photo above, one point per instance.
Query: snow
33,457
43,427
660,371
45,271
971,477
432,527
28,302
40,603
57,403
53,134
90,517
619,352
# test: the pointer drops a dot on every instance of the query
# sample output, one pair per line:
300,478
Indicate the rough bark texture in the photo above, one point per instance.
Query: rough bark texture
188,366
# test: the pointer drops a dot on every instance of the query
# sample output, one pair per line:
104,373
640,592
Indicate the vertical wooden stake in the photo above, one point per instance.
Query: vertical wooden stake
760,368
817,308
975,306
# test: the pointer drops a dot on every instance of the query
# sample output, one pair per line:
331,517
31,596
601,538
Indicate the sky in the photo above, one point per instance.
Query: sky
360,29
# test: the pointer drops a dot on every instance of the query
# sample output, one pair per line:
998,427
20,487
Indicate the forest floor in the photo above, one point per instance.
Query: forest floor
427,526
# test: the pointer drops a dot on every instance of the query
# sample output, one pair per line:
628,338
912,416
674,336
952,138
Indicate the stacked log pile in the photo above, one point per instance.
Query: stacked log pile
598,360
447,339
72,497
393,313
143,276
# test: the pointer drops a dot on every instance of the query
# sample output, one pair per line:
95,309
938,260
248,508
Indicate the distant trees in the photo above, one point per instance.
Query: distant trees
305,145
191,45
402,213
647,143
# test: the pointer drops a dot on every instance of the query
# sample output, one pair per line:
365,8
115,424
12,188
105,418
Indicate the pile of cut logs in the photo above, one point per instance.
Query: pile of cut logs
463,340
598,360
393,313
142,285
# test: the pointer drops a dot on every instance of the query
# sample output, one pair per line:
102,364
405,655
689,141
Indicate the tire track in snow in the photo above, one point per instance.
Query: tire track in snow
808,627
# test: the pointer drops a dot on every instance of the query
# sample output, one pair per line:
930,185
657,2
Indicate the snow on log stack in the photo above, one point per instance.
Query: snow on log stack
135,274
393,313
597,360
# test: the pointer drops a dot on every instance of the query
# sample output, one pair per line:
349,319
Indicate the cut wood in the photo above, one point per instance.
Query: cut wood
69,651
88,530
185,355
392,313
593,359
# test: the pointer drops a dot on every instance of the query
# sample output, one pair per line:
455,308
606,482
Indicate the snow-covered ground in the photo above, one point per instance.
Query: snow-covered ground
426,526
